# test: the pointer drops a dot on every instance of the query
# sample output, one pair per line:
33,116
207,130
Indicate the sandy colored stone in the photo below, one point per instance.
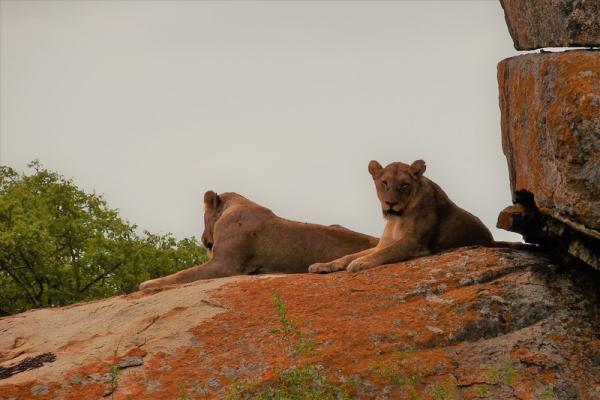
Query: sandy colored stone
535,24
92,332
504,322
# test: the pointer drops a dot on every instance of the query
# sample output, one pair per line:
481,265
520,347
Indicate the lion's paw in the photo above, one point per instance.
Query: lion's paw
359,265
324,268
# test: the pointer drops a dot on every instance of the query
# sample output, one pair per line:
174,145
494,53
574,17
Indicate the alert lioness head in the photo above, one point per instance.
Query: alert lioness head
421,220
396,184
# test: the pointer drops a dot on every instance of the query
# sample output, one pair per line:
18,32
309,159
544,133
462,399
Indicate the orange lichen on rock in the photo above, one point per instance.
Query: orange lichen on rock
550,123
471,323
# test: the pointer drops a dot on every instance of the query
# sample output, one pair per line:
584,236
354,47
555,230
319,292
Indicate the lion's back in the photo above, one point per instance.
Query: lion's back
290,245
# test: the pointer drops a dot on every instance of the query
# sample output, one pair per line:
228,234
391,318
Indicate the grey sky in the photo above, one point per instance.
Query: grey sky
152,103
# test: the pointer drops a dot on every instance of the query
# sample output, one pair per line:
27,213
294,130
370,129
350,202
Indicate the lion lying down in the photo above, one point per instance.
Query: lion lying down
421,220
245,238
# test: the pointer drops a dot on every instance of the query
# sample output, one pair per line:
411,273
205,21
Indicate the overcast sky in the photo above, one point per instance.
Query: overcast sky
152,103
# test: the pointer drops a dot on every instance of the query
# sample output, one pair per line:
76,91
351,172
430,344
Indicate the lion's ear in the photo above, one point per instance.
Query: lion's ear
211,199
374,167
417,168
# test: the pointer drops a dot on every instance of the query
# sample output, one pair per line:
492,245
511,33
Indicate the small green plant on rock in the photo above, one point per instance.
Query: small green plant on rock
503,373
547,394
482,390
289,329
115,375
182,395
287,326
443,391
399,375
308,382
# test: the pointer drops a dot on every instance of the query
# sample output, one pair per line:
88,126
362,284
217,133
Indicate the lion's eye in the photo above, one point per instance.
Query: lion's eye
404,186
384,183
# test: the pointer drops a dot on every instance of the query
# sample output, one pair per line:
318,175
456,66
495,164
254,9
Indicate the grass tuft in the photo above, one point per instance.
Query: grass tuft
308,382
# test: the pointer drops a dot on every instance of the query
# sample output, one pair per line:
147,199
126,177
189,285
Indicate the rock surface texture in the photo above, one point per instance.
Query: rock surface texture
472,323
553,23
550,107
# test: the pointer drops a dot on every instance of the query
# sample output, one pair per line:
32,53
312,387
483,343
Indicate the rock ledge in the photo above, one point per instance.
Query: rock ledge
475,323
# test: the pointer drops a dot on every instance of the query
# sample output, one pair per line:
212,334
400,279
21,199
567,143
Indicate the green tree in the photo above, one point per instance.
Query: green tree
60,245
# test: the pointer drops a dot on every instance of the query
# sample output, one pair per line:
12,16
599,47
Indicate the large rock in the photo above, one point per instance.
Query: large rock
472,323
553,23
550,110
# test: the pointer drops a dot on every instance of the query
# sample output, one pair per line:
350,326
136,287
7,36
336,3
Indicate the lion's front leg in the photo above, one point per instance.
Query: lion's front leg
208,270
395,252
339,264
153,283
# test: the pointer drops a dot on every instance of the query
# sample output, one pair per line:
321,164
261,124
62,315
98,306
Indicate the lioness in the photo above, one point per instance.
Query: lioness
245,238
421,220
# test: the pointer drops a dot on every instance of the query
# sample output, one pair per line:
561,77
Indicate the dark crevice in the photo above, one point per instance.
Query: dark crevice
525,198
560,241
27,364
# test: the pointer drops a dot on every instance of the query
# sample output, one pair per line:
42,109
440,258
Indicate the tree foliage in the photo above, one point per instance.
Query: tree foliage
60,245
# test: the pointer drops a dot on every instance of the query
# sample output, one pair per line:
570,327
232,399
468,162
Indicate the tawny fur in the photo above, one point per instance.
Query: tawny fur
421,220
247,238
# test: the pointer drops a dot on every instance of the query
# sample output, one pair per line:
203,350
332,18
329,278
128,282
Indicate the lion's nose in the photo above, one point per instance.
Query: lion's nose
391,204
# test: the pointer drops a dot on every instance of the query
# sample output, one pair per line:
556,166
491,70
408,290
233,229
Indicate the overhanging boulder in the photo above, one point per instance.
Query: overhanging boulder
550,110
